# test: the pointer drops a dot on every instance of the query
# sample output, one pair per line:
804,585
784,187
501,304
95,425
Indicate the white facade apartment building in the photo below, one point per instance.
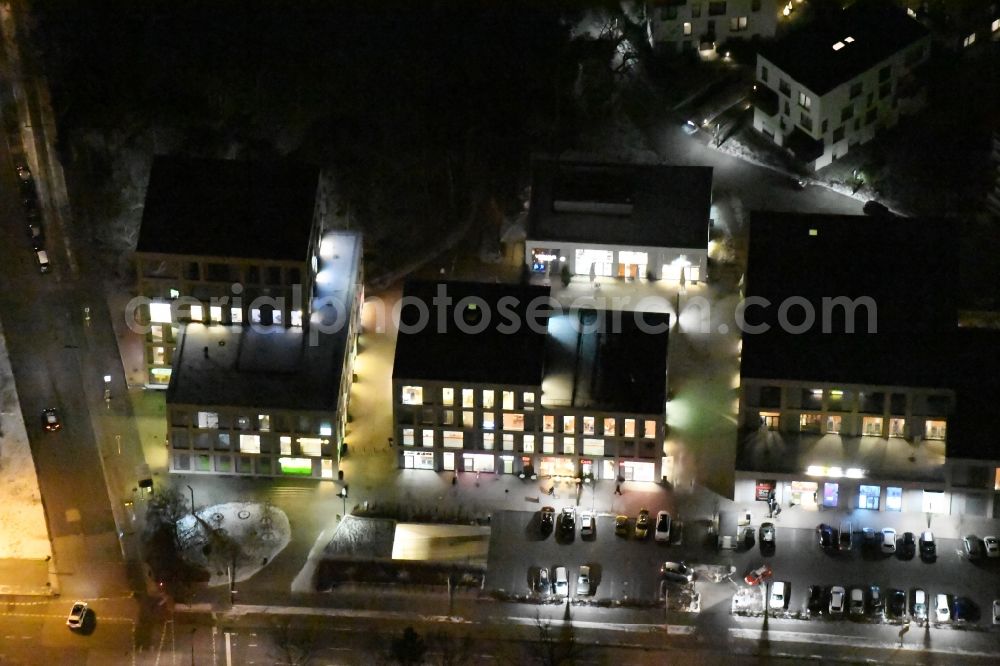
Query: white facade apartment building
702,24
830,86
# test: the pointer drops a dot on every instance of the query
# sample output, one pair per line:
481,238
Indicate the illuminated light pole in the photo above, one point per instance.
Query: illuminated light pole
343,495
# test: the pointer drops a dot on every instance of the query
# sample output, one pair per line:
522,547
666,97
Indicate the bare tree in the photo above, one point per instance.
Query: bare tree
296,645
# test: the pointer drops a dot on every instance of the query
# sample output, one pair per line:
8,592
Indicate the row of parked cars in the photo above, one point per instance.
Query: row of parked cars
895,604
665,529
906,545
33,212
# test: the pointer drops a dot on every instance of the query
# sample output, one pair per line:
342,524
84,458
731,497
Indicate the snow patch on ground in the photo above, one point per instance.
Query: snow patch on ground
23,532
252,532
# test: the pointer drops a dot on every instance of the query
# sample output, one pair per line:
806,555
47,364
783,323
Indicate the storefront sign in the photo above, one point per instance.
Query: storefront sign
765,490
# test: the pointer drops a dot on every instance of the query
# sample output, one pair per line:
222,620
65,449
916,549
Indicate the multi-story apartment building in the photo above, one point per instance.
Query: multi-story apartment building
224,242
705,24
546,396
852,380
834,84
964,25
619,220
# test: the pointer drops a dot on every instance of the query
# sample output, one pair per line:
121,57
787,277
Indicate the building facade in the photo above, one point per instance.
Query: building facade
705,24
825,88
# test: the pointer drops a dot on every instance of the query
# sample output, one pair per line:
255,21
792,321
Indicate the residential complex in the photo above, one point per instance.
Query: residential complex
561,394
252,332
616,220
835,84
702,25
869,403
959,25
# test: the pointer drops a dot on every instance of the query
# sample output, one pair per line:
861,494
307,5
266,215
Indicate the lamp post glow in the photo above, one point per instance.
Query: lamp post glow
343,495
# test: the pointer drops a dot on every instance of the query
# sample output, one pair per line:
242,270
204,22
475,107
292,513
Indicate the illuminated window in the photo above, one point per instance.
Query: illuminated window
588,425
897,427
687,28
489,420
286,446
513,421
407,436
569,424
737,23
805,101
250,443
427,437
771,420
833,424
629,428
447,396
264,422
529,400
196,313
448,417
413,395
995,26
208,420
508,400
488,441
468,398
593,447
236,315
548,423
173,293
810,422
156,331
970,40
159,313
935,429
528,444
569,445
508,442
548,444
649,431
452,439
296,317
468,419
609,427
488,397
159,354
215,314
872,426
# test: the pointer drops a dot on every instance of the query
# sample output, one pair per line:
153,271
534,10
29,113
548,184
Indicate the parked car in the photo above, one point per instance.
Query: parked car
856,604
896,605
942,611
23,172
928,548
888,540
583,581
690,127
825,534
876,209
567,521
836,600
963,610
561,584
621,526
662,532
875,600
779,594
42,258
677,572
36,236
816,600
547,519
587,524
996,611
543,586
992,546
758,575
973,547
909,545
767,536
50,420
642,524
918,609
77,615
869,538
846,535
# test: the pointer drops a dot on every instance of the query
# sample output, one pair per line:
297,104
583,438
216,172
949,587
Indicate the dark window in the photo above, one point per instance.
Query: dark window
717,9
872,402
812,399
755,5
884,73
806,121
294,276
192,271
857,124
847,113
696,10
274,274
788,108
938,405
770,396
897,404
217,272
253,275
885,90
781,123
856,89
838,133
870,117
871,98
823,127
784,88
668,13
763,74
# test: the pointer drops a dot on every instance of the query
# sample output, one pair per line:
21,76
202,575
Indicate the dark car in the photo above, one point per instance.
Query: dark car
677,572
973,547
567,521
870,538
36,236
816,601
928,548
963,610
768,536
908,546
827,539
875,209
896,603
50,420
547,519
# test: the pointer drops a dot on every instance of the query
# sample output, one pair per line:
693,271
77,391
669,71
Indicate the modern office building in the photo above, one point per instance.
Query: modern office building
616,220
704,25
854,371
834,84
224,242
560,394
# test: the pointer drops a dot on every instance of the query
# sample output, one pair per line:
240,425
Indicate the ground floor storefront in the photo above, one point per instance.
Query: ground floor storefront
637,263
538,466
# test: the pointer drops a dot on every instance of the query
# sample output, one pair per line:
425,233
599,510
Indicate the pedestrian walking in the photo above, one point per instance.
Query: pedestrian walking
618,489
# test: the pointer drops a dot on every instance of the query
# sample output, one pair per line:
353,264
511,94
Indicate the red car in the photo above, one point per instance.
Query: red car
758,575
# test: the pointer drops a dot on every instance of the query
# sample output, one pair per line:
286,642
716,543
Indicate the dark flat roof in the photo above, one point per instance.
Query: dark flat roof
447,353
620,204
972,430
607,361
878,29
907,267
228,208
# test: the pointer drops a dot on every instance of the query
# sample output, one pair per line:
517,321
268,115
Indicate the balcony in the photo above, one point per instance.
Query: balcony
803,146
765,99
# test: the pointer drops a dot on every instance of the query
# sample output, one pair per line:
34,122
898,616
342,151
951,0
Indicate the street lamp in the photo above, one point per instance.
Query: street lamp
343,495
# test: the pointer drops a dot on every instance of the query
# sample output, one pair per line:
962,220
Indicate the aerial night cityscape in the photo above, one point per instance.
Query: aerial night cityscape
456,332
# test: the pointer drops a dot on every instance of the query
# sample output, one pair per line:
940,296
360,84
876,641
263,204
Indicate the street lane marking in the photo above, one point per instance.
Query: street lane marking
847,641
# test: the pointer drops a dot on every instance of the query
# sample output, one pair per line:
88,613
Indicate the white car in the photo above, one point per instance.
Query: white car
662,532
778,595
583,581
561,584
888,540
992,545
77,615
586,524
942,612
857,603
836,600
919,607
996,611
